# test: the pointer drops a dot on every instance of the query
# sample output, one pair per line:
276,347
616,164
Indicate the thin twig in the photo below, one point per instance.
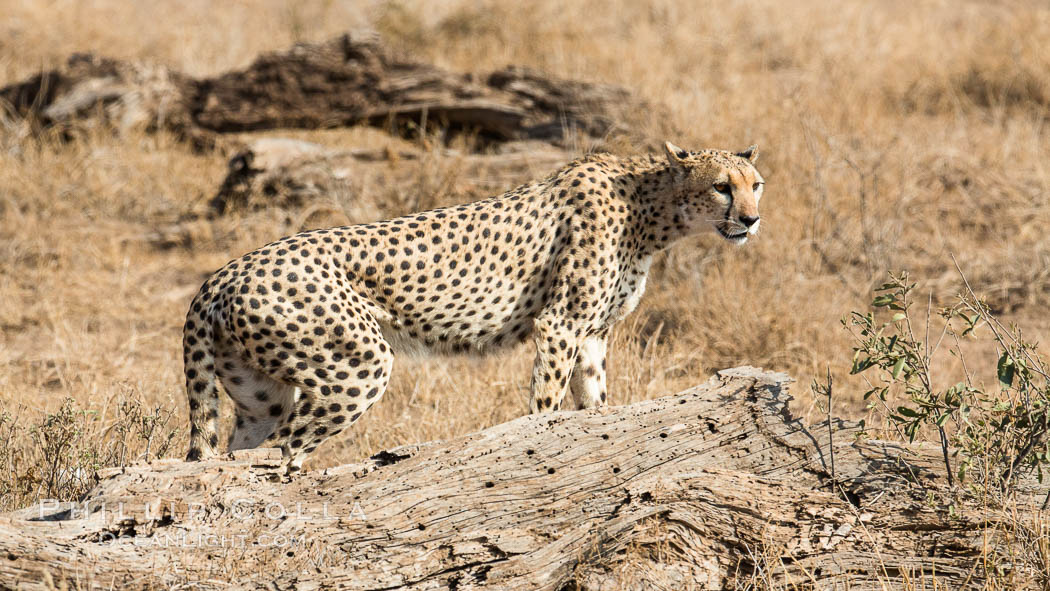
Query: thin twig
947,462
831,435
925,376
926,341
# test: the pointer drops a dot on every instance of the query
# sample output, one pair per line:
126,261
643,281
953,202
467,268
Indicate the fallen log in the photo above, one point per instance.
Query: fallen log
94,90
714,488
345,81
291,173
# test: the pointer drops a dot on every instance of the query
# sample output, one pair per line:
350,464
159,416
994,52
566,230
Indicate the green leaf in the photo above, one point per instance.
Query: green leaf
974,321
899,316
898,367
860,365
1005,371
905,411
883,301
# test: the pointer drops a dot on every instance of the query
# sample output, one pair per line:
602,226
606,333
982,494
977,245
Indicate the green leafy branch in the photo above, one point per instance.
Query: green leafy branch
998,432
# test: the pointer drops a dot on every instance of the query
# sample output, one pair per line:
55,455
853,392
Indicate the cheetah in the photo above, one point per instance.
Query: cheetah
302,332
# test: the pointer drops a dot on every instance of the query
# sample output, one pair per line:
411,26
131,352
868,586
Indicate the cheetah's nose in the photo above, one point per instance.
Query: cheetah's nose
748,220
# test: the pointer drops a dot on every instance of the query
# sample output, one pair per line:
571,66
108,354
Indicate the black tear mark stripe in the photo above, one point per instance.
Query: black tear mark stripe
729,209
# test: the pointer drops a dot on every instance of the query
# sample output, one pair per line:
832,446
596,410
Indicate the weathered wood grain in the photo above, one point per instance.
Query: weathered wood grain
702,490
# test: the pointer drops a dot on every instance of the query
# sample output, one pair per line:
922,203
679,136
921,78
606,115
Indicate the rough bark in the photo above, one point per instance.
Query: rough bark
92,90
345,81
708,489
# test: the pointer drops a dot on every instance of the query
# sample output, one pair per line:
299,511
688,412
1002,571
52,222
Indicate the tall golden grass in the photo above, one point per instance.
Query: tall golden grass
892,134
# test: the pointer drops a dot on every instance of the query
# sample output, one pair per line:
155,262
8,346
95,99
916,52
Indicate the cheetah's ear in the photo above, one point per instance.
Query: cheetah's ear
676,157
674,153
751,153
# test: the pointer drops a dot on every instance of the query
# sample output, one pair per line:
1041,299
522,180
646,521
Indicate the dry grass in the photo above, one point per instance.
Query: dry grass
893,134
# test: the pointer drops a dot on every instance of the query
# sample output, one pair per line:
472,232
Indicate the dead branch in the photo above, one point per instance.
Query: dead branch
349,80
707,489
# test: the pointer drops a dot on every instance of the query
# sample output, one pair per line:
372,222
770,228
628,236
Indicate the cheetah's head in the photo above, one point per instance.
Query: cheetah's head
717,189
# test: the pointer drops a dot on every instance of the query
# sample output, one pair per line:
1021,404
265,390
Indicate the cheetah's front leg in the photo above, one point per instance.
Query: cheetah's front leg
556,348
588,376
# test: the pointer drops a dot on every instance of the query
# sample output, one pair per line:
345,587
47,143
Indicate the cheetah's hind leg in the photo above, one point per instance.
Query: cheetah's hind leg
261,402
337,381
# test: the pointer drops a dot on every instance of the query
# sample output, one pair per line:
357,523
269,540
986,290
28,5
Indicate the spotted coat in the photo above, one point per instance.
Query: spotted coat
302,332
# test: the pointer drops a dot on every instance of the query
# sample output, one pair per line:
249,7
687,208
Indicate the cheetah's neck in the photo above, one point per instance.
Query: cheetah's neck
652,195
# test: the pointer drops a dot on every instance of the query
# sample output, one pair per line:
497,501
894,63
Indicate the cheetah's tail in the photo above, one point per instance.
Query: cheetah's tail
198,351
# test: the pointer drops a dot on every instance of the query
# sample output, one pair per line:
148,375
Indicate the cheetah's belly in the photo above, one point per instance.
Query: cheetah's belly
445,328
488,338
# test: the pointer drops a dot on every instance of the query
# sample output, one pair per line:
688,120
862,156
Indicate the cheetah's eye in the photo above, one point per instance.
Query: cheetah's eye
721,187
755,186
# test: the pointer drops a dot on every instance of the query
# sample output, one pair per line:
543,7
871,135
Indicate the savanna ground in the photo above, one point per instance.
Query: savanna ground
893,135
